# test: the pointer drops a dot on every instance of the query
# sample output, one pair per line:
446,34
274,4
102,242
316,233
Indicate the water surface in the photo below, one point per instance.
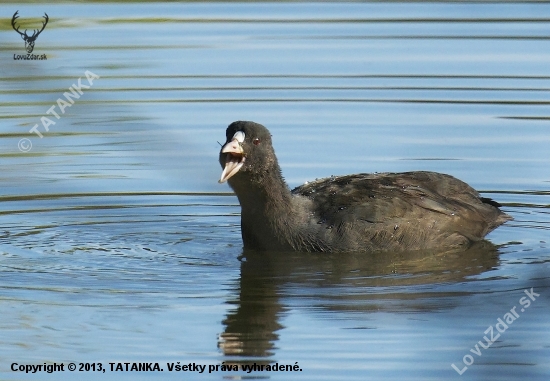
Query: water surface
118,245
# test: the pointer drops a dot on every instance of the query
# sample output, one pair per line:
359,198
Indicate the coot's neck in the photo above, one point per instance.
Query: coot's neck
267,211
266,195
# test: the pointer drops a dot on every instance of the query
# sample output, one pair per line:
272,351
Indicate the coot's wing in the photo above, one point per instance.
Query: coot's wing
414,201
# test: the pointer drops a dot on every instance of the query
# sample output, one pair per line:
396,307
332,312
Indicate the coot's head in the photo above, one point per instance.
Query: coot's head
247,151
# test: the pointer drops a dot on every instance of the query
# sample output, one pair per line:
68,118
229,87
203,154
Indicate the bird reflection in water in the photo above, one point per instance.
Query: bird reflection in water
341,283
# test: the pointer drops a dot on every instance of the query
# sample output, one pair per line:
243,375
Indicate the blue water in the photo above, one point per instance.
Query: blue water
117,244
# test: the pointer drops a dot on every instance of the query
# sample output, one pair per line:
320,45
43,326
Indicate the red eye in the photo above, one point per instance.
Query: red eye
256,141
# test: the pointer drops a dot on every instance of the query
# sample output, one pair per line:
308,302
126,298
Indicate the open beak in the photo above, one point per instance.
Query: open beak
234,158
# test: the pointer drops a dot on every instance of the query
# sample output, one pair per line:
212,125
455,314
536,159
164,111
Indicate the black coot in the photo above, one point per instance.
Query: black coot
363,212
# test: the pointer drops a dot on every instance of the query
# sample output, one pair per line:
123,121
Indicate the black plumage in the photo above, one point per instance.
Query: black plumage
362,212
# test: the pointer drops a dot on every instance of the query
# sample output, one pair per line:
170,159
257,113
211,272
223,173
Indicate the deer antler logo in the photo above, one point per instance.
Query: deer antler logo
29,40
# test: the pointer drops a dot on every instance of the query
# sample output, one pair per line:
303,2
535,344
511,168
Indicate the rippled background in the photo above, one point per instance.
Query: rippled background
118,245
